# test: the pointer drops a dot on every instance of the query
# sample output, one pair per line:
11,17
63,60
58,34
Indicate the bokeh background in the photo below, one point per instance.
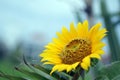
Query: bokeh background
26,26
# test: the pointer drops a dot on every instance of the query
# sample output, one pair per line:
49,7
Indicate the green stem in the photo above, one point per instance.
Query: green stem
79,72
82,73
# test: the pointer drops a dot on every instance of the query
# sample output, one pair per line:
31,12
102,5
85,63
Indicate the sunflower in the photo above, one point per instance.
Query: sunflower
74,48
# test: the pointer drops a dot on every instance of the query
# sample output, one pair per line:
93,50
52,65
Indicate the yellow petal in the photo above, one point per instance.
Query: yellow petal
63,67
73,32
51,51
75,65
66,34
83,29
54,69
84,66
97,46
60,67
95,56
54,60
61,37
46,55
58,42
69,68
99,52
48,63
101,32
99,35
86,60
93,31
52,46
85,25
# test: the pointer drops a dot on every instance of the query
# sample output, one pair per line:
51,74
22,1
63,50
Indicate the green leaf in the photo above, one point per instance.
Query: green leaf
39,67
31,75
57,75
94,61
102,78
46,71
26,71
39,72
111,71
35,70
10,77
116,78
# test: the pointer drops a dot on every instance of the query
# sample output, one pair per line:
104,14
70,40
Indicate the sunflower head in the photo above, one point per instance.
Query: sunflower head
74,48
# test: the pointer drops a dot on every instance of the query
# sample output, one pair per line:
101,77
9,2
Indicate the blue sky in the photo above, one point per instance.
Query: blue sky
21,19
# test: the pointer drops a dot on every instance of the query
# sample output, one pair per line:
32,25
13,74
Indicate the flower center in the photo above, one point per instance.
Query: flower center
75,51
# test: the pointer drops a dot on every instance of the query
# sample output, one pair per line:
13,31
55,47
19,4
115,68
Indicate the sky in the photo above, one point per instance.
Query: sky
23,19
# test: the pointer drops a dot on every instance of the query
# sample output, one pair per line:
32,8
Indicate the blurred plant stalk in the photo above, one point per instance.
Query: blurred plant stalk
112,37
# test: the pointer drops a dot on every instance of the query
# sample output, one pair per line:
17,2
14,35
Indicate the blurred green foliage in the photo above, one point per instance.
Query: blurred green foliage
109,72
